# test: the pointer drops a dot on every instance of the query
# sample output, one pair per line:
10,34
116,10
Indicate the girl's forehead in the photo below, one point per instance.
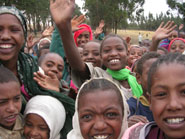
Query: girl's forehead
113,41
178,41
8,17
93,96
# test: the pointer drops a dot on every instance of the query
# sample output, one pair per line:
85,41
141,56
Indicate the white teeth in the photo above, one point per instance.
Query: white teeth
101,137
12,116
6,46
114,61
175,120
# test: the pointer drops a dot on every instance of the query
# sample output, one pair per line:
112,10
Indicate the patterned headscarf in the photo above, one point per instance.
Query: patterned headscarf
14,11
84,27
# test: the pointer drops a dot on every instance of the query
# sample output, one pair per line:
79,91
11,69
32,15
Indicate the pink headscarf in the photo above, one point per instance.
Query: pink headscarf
84,27
173,42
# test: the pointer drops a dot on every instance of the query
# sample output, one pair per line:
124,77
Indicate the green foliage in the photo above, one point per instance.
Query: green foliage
151,22
36,11
114,12
179,6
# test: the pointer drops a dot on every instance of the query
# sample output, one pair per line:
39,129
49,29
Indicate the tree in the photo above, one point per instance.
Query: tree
178,5
113,12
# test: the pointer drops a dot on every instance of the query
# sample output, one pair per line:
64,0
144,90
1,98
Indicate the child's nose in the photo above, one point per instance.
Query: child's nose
113,53
174,103
100,124
34,132
5,35
11,108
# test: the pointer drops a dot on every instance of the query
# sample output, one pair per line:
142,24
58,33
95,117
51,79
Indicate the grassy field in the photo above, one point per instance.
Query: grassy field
125,33
134,34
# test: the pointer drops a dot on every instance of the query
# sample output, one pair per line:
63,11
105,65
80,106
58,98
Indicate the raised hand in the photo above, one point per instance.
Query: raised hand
48,31
101,24
164,31
99,29
77,20
30,42
181,26
50,81
62,10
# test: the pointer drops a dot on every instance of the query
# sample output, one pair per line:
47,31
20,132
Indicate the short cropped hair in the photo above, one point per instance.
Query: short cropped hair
143,59
7,76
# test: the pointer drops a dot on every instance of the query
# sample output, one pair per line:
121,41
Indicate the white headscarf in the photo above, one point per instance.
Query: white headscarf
44,39
51,110
75,133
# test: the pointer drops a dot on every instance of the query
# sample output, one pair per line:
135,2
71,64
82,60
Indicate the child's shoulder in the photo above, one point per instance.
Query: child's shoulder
141,131
16,132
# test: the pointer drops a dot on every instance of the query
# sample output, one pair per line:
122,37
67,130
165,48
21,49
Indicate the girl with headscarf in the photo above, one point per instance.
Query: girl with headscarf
82,36
177,45
100,111
50,114
13,36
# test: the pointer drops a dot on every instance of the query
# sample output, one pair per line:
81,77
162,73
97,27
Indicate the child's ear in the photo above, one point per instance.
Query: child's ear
149,99
138,78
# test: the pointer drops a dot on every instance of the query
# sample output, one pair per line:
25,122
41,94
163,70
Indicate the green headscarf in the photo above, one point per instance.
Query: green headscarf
26,66
124,74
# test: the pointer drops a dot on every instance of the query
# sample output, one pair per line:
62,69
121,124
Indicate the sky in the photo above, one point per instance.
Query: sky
152,6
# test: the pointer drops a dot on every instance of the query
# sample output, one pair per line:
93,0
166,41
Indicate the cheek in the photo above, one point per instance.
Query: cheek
85,128
59,75
20,38
157,109
116,126
26,130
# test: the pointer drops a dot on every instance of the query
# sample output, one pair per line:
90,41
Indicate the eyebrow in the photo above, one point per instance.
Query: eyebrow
165,87
181,84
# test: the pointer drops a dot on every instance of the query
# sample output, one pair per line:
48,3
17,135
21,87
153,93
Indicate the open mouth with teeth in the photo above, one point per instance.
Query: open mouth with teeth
11,118
114,61
6,46
174,120
100,137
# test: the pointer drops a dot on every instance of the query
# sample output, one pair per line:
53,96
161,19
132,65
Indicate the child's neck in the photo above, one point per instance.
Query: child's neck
125,84
8,128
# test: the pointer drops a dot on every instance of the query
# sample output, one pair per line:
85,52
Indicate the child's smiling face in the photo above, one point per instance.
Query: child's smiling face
100,118
114,53
134,54
177,46
35,127
53,63
168,99
91,53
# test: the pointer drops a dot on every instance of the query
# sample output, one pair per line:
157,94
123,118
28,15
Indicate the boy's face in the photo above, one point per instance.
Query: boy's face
91,53
53,63
168,99
10,104
174,34
134,54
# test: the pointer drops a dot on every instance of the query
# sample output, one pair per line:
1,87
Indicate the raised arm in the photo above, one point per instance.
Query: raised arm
62,11
163,32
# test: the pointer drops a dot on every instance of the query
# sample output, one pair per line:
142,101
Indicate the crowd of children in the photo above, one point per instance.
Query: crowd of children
80,85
